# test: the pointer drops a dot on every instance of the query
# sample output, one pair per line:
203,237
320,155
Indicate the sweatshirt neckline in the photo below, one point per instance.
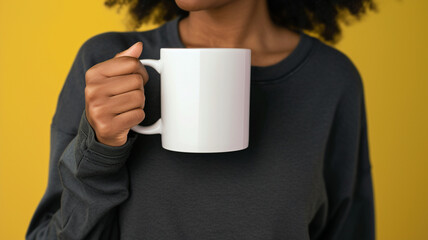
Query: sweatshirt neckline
281,69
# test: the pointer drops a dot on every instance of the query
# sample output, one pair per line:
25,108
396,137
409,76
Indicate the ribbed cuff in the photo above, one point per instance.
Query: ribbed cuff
93,149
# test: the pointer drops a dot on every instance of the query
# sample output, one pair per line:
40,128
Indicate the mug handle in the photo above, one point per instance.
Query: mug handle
155,128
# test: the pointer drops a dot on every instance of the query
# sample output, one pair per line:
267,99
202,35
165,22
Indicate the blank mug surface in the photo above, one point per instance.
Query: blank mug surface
205,99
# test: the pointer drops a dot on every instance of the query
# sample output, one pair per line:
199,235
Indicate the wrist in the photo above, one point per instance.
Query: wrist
110,142
115,149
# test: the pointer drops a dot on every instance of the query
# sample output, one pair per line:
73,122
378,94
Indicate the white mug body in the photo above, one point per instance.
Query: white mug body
205,99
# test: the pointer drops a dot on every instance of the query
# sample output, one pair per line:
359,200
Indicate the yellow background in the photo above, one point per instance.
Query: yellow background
39,40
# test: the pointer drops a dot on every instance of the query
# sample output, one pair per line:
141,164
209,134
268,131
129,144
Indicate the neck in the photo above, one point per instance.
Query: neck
239,24
224,26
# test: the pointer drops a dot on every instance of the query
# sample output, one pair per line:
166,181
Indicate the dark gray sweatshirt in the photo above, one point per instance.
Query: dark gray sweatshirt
305,175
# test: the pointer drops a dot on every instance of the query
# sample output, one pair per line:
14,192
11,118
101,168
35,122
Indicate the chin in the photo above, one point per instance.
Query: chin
197,5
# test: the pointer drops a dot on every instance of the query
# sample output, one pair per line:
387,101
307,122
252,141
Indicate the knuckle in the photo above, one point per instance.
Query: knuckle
89,75
103,129
139,115
97,113
143,104
134,62
146,74
140,96
138,80
91,93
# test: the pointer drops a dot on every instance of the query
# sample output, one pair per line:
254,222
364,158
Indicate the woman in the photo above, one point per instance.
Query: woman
305,175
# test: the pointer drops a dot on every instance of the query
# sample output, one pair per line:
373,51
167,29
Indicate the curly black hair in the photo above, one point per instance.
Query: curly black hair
320,17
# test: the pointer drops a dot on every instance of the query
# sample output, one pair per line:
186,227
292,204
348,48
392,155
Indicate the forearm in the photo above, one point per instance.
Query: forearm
94,182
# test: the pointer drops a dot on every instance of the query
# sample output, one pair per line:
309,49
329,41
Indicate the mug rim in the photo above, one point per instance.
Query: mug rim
205,49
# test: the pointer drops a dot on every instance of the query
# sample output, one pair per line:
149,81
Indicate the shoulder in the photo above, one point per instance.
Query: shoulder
103,46
334,67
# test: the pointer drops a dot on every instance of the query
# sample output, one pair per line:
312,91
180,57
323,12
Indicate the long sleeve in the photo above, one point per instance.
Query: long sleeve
87,179
359,222
349,214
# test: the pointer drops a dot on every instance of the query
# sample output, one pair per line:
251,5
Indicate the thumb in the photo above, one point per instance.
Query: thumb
133,51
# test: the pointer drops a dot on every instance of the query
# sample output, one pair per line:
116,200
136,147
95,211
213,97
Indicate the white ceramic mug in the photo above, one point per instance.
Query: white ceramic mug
205,99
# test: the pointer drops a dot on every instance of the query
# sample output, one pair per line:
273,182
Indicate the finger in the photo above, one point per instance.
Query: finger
121,84
120,66
127,101
129,119
133,51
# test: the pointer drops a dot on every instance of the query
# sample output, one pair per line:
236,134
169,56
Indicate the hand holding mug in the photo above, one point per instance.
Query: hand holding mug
114,96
